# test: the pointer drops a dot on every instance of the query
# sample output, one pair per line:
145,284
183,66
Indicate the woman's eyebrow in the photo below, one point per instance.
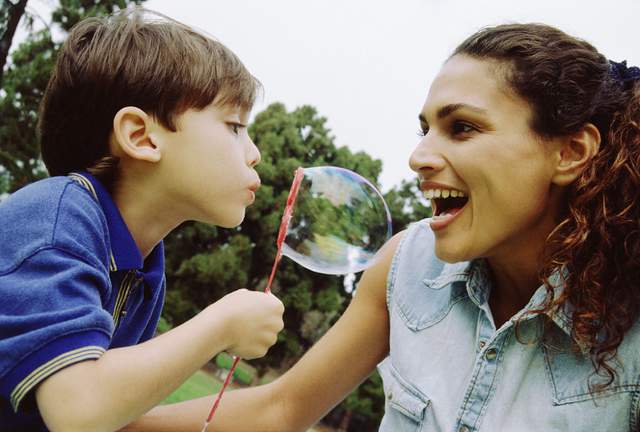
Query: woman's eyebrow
451,108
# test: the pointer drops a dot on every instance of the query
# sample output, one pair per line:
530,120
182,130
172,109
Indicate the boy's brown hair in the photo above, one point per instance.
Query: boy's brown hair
133,58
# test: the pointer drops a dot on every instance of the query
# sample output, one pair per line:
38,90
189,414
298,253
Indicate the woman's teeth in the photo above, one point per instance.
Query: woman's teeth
442,193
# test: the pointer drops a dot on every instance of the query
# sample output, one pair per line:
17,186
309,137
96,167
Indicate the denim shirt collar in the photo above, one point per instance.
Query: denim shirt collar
562,316
476,275
473,273
125,254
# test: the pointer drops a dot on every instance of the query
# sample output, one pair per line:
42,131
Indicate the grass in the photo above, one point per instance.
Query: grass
200,384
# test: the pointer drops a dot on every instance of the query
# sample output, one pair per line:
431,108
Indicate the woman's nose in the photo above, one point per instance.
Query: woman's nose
425,158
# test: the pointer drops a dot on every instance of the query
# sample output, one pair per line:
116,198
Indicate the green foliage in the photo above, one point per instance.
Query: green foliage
163,326
224,361
367,404
405,206
243,376
70,12
204,263
199,384
243,372
23,86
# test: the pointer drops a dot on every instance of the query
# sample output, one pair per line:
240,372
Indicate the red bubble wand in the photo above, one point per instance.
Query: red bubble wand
282,233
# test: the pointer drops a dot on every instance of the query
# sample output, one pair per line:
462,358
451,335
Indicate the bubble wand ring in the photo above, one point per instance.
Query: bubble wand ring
282,233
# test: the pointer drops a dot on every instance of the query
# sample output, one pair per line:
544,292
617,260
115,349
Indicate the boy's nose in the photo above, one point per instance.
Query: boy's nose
425,158
254,154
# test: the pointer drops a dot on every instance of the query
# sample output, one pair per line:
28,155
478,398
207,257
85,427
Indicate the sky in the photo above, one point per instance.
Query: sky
366,65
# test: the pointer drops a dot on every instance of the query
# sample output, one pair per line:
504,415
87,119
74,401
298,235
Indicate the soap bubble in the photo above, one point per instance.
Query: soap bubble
339,222
334,222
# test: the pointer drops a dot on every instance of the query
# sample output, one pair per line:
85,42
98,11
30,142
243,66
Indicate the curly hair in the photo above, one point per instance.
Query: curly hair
568,84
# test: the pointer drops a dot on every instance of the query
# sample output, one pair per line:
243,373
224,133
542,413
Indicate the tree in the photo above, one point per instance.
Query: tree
10,15
24,86
24,83
405,205
204,263
219,261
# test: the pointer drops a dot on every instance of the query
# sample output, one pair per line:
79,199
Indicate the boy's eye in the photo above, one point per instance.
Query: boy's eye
236,127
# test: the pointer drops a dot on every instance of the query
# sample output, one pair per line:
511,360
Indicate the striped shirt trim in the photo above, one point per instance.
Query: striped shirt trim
123,295
50,367
85,183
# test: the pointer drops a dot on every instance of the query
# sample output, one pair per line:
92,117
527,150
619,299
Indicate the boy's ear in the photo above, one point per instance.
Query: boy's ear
574,152
132,135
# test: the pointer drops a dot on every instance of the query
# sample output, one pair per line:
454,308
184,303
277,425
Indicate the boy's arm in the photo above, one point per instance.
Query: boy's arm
326,374
108,393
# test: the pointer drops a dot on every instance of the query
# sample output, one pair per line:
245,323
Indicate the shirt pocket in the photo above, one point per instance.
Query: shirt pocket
572,378
405,405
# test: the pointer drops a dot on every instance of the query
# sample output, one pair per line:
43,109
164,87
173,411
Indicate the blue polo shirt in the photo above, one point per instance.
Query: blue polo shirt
72,285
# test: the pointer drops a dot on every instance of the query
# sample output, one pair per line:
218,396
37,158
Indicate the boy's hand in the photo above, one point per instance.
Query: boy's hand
253,320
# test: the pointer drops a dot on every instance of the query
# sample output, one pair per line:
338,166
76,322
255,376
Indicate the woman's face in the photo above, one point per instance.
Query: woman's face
478,147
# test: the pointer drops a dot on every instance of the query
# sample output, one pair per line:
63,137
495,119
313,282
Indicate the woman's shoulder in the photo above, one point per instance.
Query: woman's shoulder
414,258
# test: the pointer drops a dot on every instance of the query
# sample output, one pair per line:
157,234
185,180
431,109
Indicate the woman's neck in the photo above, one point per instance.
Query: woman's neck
515,276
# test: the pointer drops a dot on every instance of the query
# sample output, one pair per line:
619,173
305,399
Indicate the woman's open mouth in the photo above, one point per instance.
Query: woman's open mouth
446,205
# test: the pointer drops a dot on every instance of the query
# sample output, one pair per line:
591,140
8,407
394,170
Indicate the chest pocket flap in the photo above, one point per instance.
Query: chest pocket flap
571,374
401,395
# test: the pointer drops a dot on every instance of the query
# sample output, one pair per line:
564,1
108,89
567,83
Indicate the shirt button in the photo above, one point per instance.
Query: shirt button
482,344
390,396
463,428
491,354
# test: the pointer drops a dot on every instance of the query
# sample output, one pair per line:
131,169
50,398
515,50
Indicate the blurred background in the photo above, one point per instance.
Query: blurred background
344,82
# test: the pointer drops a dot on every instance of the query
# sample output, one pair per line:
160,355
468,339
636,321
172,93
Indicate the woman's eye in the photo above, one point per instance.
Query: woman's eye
423,131
460,127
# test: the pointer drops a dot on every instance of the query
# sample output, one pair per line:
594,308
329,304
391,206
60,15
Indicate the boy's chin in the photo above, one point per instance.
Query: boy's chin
230,221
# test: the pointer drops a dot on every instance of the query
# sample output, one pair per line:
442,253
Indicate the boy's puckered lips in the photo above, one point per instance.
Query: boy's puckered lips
255,186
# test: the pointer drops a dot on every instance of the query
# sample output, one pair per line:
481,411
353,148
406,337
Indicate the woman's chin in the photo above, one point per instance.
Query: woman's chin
450,253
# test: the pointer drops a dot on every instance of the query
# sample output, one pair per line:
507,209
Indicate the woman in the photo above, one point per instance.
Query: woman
516,307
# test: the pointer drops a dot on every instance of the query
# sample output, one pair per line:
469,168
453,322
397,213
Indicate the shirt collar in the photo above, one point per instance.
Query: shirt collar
125,254
476,275
561,316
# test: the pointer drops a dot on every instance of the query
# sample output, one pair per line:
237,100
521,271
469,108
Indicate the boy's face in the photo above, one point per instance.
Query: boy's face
209,165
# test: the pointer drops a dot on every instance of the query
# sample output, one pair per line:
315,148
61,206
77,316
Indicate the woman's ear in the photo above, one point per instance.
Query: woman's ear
132,135
574,152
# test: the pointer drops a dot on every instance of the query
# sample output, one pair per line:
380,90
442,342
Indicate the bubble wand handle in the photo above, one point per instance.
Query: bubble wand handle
284,223
282,233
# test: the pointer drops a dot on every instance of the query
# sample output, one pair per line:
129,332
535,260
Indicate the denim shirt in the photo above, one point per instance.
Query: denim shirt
450,370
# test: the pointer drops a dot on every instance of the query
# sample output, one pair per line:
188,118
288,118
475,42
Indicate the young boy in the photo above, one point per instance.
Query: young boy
143,126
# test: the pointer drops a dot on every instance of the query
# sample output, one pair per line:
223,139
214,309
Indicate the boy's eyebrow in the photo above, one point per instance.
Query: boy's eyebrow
235,109
451,108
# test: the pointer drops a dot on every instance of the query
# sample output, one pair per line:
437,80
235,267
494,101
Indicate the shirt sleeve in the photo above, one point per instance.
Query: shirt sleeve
51,298
52,316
